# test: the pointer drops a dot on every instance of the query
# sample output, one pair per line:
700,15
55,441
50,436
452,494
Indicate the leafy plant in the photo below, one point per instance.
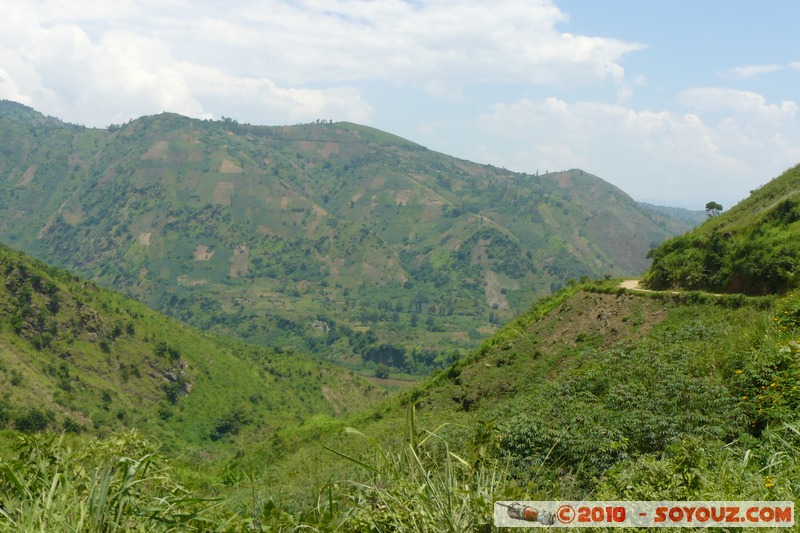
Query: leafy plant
118,484
422,486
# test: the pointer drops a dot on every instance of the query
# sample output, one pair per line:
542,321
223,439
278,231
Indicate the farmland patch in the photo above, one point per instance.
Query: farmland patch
223,192
28,176
157,151
241,255
202,253
402,197
229,167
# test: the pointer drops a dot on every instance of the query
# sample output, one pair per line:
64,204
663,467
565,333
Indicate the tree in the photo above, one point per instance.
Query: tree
382,371
713,209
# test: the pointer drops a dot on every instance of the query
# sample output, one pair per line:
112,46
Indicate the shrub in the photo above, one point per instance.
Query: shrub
33,419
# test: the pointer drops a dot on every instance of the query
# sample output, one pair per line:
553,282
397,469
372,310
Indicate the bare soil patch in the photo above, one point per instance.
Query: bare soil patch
28,176
604,318
330,148
72,218
265,230
390,383
564,180
157,151
241,255
319,216
431,213
187,281
202,253
402,197
494,296
630,284
223,192
332,399
229,167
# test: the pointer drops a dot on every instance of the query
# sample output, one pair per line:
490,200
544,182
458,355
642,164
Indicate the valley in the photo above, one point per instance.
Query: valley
511,357
326,238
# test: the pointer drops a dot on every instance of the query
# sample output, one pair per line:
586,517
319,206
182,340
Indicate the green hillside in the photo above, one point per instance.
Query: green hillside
601,392
594,393
335,239
754,248
77,358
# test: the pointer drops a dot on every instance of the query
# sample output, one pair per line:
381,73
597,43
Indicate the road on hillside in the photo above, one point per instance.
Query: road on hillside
633,285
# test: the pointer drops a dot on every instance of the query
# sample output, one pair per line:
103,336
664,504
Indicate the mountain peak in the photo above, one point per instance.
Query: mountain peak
24,114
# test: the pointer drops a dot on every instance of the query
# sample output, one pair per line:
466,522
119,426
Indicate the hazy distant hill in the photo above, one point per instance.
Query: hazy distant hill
754,248
329,237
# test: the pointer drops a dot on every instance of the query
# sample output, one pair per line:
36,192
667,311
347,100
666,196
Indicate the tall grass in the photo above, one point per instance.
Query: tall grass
421,485
117,484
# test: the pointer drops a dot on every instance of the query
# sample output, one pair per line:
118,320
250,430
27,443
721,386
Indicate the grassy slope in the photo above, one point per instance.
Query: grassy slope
595,393
585,389
78,357
753,248
261,231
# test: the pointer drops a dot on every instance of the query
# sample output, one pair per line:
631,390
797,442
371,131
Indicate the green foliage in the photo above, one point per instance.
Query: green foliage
535,414
118,484
713,209
382,371
33,419
769,380
601,415
263,232
422,485
754,248
232,423
743,470
110,363
595,392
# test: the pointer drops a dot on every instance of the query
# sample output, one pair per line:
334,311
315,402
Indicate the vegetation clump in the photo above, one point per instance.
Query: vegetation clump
752,249
115,484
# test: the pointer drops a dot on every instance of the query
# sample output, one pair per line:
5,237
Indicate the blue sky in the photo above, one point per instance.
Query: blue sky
676,102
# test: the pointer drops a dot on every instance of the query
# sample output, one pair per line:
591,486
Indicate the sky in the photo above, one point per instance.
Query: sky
676,102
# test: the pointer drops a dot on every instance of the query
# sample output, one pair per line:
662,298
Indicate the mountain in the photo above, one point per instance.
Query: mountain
595,393
332,238
754,248
75,357
690,217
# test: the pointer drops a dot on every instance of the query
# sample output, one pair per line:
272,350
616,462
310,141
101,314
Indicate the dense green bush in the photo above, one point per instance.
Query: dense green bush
33,420
753,249
769,380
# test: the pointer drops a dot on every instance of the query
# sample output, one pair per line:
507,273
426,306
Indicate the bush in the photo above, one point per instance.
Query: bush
767,382
33,420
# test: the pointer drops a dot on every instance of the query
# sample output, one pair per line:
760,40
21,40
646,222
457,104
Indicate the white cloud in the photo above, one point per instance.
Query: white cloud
96,62
9,90
750,71
54,65
664,156
283,61
742,105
